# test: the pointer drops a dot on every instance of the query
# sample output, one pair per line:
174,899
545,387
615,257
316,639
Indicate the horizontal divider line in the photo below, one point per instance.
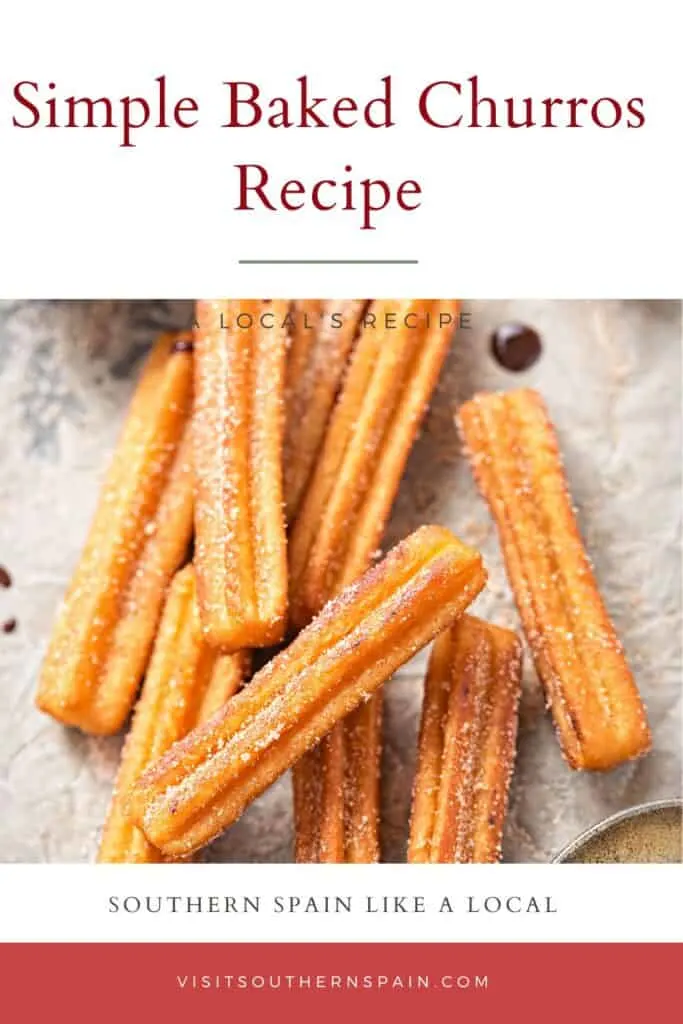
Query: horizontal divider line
325,261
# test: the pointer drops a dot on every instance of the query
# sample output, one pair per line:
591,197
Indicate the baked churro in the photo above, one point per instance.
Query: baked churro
466,748
318,355
187,682
390,378
205,781
240,548
336,792
139,536
342,516
598,712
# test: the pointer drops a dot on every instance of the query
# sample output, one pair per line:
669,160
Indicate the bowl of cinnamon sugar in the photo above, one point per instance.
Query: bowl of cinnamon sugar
650,833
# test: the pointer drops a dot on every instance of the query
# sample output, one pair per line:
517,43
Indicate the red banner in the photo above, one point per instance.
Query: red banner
475,983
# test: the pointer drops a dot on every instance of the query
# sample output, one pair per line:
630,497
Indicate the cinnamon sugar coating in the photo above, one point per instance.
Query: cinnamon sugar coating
372,428
139,536
466,747
389,380
205,781
337,792
240,546
187,682
598,712
317,360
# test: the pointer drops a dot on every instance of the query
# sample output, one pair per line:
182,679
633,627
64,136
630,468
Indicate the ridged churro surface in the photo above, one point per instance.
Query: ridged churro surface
348,499
342,515
319,350
187,682
139,536
337,792
598,712
360,638
240,547
466,748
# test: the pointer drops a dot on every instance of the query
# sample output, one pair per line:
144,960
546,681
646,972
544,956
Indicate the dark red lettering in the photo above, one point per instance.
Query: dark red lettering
245,187
24,102
315,195
409,187
635,107
185,106
615,109
237,101
424,104
128,104
294,187
341,107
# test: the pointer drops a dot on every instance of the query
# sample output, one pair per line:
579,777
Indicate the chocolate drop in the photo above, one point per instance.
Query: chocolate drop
515,346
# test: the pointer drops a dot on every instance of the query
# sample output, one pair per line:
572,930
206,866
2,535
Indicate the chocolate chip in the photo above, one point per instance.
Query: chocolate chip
515,346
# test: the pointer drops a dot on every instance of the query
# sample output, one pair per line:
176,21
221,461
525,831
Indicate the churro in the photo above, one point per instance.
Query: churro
598,712
186,683
343,513
390,378
319,349
204,782
466,748
139,536
336,795
240,547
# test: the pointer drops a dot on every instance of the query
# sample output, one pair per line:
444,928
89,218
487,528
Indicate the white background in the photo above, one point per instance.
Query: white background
506,213
582,213
594,903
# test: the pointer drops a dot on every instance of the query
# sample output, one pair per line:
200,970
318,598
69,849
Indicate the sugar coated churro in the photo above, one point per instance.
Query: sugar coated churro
598,712
389,380
205,781
336,792
319,350
372,428
186,683
139,536
466,747
240,548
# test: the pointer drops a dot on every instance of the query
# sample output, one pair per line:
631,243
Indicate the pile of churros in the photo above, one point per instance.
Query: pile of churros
243,510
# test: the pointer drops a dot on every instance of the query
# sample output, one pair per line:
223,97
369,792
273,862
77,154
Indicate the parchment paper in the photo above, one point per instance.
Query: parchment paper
611,374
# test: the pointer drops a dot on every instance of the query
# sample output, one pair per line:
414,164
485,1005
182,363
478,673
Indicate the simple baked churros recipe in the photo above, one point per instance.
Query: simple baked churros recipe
243,598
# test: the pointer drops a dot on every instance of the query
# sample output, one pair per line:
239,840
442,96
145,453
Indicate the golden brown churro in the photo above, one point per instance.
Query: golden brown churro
240,547
598,712
139,536
372,428
388,384
318,355
336,795
205,781
187,682
466,749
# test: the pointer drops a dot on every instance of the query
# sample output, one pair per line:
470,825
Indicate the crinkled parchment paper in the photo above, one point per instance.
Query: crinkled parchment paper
611,373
